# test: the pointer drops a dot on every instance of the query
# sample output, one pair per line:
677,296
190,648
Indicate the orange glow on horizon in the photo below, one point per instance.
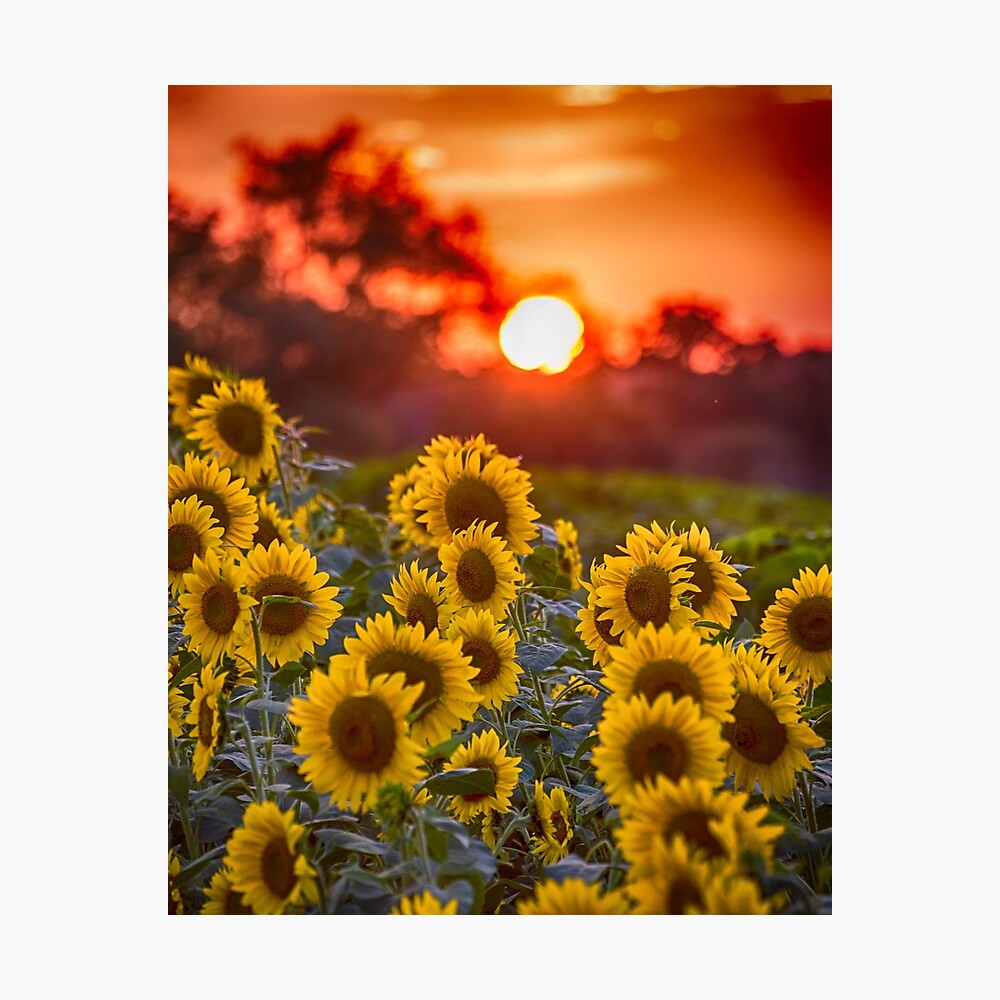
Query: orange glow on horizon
541,332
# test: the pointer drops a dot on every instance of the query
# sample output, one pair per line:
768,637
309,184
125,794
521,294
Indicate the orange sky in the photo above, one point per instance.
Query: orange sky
636,193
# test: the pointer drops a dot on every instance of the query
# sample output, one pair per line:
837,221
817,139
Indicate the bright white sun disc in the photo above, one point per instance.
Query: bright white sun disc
541,332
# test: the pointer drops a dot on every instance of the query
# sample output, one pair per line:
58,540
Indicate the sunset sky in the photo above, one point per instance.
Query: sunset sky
635,193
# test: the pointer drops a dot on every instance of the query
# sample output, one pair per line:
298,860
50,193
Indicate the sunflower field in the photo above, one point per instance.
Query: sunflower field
443,708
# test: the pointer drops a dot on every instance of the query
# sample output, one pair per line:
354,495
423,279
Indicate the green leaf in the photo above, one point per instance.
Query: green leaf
352,842
538,658
266,705
542,565
461,781
288,674
195,868
285,599
179,781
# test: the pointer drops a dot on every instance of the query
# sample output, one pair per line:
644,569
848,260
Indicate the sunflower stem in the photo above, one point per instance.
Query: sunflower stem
189,837
418,824
258,785
263,692
284,485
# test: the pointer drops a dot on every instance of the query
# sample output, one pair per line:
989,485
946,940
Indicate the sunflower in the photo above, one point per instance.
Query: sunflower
767,741
447,700
657,660
175,902
572,896
647,585
265,863
425,904
177,704
216,606
555,817
480,570
715,823
187,384
404,491
271,525
314,525
568,551
716,580
300,622
595,627
207,717
232,505
798,627
466,485
679,881
483,750
418,596
638,741
492,649
191,532
221,898
353,733
239,423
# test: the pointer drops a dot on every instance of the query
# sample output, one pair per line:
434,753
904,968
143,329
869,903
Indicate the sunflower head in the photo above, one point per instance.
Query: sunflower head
271,525
447,698
797,628
568,551
418,597
638,741
207,719
297,608
480,570
266,863
646,586
425,903
492,649
191,531
483,750
572,896
471,483
186,385
767,740
230,502
353,732
239,423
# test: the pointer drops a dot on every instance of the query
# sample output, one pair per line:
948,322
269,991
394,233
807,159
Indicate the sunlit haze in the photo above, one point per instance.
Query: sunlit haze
542,332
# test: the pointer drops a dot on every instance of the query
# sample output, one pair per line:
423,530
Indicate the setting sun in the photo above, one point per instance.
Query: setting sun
541,332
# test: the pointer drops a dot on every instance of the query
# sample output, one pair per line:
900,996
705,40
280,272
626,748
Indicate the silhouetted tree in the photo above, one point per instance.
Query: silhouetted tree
337,276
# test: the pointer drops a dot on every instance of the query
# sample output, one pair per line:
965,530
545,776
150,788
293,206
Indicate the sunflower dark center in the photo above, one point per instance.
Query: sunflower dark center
756,731
416,668
281,618
810,624
220,607
476,577
234,903
560,829
266,532
363,731
241,427
197,386
701,577
671,676
603,627
693,827
484,659
183,544
421,608
647,595
480,762
469,500
212,500
682,894
205,719
654,751
277,868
